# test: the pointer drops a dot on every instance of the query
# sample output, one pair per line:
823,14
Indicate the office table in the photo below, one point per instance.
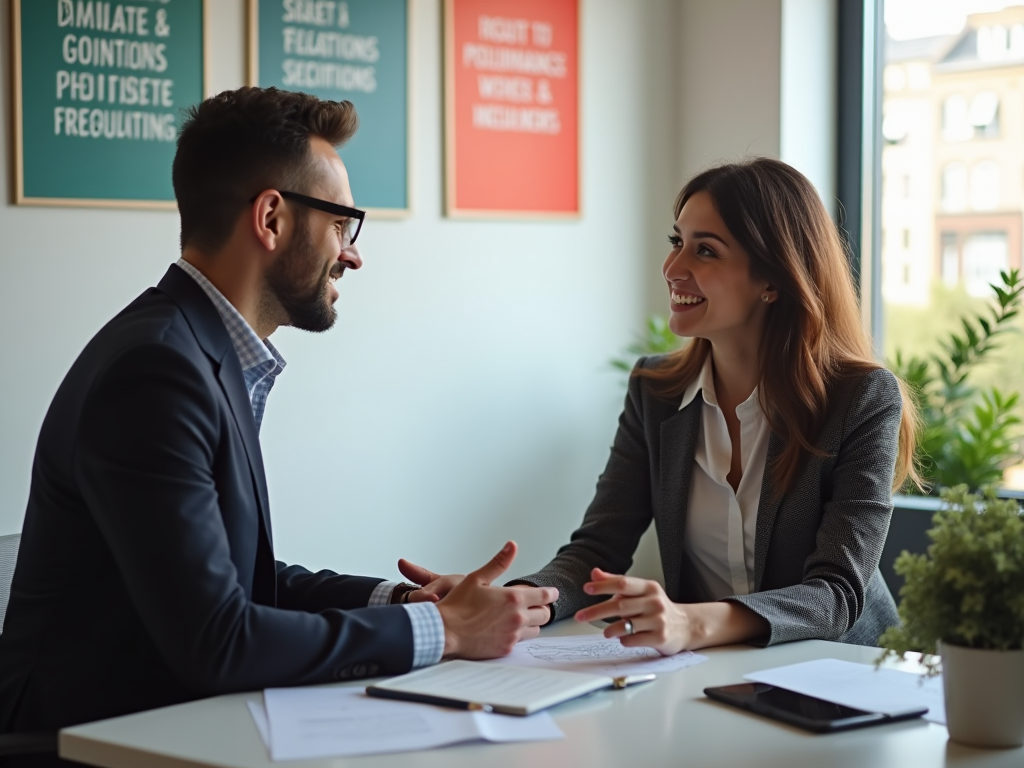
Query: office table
665,723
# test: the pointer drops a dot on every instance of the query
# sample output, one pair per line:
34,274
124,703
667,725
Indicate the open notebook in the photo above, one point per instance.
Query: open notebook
509,690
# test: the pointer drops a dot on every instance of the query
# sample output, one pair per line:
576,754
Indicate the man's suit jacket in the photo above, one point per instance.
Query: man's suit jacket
146,574
816,549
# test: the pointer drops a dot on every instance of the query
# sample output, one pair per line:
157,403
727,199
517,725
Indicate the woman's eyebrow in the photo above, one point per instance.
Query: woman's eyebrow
705,235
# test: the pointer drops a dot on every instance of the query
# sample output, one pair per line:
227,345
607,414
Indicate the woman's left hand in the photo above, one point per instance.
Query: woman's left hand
657,622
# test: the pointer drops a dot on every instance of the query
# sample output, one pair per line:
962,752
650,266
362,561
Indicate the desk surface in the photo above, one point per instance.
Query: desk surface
666,723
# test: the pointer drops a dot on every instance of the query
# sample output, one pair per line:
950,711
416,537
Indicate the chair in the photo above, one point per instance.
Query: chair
11,744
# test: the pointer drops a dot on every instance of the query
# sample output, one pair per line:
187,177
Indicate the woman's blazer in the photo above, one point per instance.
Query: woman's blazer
816,548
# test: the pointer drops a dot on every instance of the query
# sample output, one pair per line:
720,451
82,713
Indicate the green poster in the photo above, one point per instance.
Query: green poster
355,50
99,93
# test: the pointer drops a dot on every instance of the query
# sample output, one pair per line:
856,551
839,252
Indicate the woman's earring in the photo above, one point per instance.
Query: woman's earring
764,297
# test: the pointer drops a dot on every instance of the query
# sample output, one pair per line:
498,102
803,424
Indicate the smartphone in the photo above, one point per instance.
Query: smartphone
803,711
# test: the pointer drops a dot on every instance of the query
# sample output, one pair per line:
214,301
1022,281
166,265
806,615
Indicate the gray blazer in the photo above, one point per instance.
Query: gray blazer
816,548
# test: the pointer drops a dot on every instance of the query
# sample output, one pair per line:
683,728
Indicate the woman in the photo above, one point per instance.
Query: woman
766,450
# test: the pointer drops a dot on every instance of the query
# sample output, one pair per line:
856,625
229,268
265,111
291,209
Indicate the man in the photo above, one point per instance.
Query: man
146,574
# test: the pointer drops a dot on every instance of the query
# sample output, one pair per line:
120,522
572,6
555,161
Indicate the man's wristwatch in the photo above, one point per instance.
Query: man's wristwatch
400,594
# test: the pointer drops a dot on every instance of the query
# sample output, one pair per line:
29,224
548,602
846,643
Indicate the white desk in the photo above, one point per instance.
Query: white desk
666,723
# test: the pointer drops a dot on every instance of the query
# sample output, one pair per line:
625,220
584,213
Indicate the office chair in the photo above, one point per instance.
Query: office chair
42,743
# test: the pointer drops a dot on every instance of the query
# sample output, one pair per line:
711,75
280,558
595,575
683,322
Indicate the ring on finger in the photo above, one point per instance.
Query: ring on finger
629,626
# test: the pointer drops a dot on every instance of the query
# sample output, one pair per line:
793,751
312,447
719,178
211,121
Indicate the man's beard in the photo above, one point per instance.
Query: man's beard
307,308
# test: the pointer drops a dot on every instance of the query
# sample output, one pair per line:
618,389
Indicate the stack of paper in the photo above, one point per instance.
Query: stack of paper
860,686
311,723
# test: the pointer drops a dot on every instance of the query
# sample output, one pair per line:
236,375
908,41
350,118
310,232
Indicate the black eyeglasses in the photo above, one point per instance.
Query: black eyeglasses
354,215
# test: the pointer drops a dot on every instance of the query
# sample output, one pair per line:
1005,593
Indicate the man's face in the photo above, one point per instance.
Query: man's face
302,278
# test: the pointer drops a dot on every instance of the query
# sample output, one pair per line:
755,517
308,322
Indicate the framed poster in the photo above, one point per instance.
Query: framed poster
99,89
356,50
512,108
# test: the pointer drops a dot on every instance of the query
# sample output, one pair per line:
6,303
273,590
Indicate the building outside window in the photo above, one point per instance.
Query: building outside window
953,130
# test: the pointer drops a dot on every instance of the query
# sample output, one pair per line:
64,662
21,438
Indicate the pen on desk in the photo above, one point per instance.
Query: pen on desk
625,680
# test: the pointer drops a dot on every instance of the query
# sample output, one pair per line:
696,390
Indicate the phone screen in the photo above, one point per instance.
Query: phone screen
762,697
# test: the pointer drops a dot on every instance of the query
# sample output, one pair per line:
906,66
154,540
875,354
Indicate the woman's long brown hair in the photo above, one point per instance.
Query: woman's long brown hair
813,335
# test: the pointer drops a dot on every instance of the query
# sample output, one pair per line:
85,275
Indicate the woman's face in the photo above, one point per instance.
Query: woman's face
711,293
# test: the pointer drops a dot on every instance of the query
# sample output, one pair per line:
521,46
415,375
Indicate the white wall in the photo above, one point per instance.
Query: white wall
464,397
808,92
727,60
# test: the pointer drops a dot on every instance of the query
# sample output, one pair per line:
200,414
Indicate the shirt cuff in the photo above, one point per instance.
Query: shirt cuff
427,633
381,594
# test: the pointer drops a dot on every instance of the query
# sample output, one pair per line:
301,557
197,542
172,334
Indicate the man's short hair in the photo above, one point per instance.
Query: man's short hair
237,144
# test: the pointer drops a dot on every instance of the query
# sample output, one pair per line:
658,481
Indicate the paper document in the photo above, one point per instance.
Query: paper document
860,686
595,655
312,723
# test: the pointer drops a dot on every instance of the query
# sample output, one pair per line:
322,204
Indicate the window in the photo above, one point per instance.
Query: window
950,259
985,256
952,124
954,187
984,114
956,124
985,186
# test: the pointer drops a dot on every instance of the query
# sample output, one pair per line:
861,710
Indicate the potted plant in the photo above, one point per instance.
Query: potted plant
964,601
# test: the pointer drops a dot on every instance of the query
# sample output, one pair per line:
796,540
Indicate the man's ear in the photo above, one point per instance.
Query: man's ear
269,219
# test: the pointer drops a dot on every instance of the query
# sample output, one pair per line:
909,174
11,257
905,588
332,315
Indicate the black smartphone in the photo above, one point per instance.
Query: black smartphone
803,711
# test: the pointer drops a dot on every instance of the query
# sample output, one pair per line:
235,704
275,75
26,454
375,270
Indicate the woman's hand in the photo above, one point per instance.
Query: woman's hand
433,587
657,622
661,624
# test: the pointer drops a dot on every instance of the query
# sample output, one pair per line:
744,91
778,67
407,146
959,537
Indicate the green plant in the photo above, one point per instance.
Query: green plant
969,588
968,435
657,339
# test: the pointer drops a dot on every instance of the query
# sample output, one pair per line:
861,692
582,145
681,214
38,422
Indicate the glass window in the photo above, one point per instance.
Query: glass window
985,186
954,186
985,256
953,210
956,124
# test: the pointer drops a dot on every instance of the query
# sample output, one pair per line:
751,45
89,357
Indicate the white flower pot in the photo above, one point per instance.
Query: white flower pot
984,693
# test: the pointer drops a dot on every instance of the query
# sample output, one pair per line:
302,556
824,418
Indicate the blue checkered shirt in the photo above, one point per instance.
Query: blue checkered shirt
261,364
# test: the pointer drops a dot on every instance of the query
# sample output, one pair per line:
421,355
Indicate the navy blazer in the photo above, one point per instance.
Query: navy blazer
816,547
146,574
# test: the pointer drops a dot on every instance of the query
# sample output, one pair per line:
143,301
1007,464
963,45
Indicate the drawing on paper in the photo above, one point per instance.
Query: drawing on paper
611,652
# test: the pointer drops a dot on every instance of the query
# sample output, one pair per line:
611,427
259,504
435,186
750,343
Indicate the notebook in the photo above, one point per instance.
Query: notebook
494,687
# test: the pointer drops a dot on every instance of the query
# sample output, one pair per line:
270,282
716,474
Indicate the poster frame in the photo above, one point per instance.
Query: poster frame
450,156
252,76
18,145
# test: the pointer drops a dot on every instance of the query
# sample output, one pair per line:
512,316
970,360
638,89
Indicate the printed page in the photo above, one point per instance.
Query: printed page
860,686
596,655
312,723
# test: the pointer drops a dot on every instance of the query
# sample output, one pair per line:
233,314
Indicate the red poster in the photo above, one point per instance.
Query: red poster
512,107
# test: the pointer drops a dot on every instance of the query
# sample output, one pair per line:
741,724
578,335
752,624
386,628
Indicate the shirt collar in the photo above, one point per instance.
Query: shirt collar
252,351
705,384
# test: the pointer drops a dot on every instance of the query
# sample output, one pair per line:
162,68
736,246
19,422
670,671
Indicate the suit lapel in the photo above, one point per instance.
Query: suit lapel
767,507
678,446
213,337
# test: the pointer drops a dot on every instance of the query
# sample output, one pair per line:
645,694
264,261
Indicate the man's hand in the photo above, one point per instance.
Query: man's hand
484,622
433,587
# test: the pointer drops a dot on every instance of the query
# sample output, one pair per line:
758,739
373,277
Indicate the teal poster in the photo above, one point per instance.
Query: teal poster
100,88
356,50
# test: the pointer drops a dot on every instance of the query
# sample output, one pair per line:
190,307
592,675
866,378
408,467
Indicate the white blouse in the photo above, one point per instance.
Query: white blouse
721,523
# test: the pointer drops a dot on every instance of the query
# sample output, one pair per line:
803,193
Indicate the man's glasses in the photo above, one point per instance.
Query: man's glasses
354,216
